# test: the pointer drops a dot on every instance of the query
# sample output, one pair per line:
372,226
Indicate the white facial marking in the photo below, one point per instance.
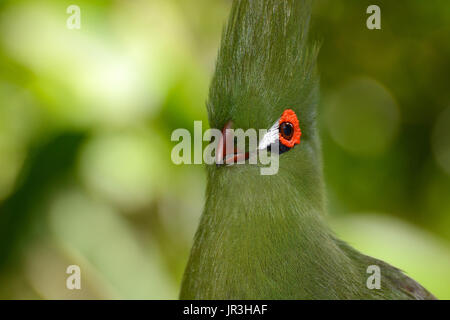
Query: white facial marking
270,137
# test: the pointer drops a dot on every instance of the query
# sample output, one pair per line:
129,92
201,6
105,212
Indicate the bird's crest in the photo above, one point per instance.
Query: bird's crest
264,65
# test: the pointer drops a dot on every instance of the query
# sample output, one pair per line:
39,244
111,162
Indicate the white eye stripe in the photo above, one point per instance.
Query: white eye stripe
270,137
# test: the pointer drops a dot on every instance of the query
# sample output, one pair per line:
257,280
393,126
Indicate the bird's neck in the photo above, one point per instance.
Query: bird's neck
264,236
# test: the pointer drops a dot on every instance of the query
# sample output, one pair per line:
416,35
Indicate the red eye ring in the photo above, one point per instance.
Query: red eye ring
289,117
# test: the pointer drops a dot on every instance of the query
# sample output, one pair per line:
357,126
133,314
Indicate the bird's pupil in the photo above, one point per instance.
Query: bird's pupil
287,130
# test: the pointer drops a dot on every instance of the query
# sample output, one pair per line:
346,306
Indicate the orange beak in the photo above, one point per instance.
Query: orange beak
227,152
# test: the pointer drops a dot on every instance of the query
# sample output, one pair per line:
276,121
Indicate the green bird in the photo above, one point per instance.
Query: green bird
265,236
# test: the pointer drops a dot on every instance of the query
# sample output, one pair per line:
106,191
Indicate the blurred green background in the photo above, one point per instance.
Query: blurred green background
86,117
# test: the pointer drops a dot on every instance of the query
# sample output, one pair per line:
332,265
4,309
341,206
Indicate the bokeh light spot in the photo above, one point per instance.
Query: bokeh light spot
125,168
362,117
441,140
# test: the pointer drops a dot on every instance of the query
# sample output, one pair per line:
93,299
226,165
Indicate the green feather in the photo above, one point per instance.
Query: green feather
264,65
265,237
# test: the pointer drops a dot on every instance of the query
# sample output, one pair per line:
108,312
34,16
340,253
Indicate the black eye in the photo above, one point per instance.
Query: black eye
287,130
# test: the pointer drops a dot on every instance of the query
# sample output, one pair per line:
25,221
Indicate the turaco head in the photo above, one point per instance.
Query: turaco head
265,79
